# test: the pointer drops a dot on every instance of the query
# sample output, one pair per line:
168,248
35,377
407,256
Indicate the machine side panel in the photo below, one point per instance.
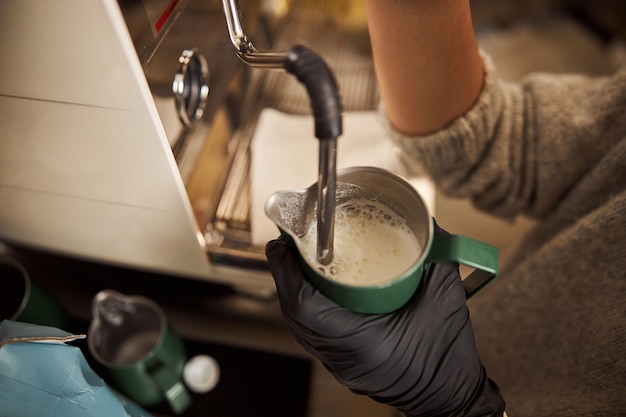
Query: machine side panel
85,165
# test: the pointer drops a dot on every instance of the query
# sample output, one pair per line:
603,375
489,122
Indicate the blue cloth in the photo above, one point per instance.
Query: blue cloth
49,378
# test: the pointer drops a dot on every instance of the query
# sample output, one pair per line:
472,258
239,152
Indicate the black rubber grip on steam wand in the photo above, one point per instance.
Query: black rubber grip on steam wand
321,87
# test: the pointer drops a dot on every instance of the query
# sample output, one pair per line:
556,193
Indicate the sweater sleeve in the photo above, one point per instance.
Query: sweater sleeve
523,146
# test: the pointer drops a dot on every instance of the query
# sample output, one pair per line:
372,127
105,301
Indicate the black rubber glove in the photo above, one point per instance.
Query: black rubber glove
421,359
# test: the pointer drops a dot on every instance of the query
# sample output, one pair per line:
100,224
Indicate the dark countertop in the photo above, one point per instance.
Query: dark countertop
203,313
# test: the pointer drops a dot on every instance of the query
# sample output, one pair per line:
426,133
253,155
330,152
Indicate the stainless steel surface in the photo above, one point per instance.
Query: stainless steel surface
242,43
327,148
117,321
208,133
190,86
177,62
326,190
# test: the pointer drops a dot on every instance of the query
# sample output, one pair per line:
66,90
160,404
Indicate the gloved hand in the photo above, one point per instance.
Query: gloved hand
421,359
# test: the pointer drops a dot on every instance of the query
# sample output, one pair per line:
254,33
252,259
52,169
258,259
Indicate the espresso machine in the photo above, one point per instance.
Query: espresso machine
125,126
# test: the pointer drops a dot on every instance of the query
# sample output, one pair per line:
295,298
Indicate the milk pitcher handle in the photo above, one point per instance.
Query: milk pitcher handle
467,251
172,387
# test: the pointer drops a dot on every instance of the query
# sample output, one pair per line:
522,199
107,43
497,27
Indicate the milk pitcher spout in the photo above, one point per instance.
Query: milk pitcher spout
110,309
292,211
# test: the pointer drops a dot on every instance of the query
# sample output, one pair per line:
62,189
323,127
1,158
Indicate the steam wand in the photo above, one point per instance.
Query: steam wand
323,92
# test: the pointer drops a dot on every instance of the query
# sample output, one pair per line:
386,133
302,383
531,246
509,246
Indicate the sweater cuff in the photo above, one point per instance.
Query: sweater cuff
441,152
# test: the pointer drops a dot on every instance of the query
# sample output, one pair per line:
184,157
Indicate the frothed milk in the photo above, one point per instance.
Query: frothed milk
372,244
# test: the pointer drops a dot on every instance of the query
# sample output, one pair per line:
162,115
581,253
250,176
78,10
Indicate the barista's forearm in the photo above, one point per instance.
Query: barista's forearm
427,61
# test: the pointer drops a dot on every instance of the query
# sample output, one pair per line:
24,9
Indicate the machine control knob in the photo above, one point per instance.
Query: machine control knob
190,86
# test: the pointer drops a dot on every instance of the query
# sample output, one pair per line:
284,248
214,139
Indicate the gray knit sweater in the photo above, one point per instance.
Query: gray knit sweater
551,330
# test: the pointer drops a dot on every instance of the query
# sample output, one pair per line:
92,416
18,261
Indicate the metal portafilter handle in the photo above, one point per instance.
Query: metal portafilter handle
323,91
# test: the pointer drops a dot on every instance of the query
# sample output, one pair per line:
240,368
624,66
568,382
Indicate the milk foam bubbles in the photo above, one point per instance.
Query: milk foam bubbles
372,244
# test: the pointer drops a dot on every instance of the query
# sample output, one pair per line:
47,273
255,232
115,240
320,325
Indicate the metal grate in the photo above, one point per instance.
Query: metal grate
339,35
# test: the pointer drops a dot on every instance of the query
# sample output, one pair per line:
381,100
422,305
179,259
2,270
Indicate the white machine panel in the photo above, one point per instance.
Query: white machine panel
85,165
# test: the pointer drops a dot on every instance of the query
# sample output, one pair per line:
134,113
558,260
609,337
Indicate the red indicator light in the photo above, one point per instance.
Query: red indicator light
166,14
